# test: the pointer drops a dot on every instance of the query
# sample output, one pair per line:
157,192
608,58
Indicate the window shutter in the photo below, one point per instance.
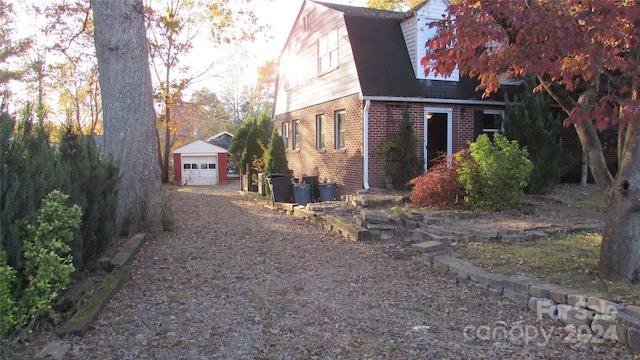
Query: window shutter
478,124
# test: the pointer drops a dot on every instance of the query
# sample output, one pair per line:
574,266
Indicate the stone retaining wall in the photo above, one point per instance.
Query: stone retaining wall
593,318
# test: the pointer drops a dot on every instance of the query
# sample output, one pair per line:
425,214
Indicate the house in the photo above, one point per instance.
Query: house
346,74
222,140
200,163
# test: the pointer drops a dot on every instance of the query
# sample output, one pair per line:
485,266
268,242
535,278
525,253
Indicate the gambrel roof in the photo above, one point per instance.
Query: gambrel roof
383,62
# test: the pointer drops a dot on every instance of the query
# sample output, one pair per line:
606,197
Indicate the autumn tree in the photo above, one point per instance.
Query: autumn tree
129,115
11,49
212,118
174,26
585,54
393,4
74,73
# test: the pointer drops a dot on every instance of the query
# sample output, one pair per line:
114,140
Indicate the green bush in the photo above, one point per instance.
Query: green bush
47,264
31,167
8,309
27,175
403,161
496,173
92,184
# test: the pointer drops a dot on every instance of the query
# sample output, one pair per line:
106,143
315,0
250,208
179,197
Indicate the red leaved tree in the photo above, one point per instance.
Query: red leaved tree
585,53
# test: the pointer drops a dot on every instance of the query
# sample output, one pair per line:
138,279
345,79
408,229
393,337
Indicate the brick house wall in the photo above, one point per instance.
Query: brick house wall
385,119
344,167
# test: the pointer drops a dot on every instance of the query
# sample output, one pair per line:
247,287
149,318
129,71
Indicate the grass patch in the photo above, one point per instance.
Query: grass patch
592,202
569,261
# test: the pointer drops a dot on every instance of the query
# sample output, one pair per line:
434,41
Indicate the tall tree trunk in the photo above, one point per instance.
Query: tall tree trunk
618,259
167,145
621,236
128,113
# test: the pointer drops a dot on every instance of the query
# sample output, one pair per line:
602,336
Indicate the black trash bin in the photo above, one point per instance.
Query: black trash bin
280,187
313,182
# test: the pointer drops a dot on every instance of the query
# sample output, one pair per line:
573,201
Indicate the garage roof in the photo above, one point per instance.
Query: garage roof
199,147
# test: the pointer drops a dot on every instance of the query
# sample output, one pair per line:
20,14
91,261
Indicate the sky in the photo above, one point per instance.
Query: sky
278,14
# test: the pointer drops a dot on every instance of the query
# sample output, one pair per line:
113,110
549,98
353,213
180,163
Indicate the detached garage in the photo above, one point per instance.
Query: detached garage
200,163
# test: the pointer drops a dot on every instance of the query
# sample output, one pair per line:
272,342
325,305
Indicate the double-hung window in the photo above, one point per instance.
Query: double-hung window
328,51
296,134
341,129
285,134
321,130
492,122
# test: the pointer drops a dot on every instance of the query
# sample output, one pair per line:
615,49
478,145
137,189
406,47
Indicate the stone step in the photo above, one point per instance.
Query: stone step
423,234
428,246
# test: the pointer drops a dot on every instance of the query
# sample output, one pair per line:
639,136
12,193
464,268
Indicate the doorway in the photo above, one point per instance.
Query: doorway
437,134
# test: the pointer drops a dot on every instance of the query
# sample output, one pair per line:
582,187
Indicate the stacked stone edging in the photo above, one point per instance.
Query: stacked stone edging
594,318
81,321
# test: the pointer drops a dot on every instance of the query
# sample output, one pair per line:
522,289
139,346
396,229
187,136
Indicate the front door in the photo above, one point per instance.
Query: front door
437,135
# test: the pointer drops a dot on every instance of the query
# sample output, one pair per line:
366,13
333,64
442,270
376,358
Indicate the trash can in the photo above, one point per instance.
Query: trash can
280,187
327,191
313,181
302,193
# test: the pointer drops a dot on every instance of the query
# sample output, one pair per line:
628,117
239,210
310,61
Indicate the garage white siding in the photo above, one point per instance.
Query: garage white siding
199,170
199,163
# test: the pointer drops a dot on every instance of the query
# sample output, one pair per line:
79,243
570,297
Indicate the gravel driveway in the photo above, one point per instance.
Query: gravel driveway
236,280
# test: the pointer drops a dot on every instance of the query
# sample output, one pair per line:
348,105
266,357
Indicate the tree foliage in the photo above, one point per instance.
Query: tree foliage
495,174
11,47
440,186
393,4
30,168
173,28
403,161
277,155
74,73
47,264
531,122
245,145
586,56
212,117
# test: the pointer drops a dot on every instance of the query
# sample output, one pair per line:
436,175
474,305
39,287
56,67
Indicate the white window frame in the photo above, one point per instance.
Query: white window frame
493,130
285,134
337,122
321,132
328,51
295,145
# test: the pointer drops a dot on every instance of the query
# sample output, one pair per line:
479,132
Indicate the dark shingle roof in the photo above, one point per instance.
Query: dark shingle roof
223,140
364,12
385,69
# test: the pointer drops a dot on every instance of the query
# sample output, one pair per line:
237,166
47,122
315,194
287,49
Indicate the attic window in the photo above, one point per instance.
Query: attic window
328,51
305,22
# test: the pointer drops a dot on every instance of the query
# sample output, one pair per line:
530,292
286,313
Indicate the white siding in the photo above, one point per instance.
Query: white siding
415,31
409,30
313,88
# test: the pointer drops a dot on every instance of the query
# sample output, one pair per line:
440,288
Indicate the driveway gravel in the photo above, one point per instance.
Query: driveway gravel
238,280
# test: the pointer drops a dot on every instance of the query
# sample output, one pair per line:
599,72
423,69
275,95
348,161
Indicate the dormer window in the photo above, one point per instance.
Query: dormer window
328,51
305,22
